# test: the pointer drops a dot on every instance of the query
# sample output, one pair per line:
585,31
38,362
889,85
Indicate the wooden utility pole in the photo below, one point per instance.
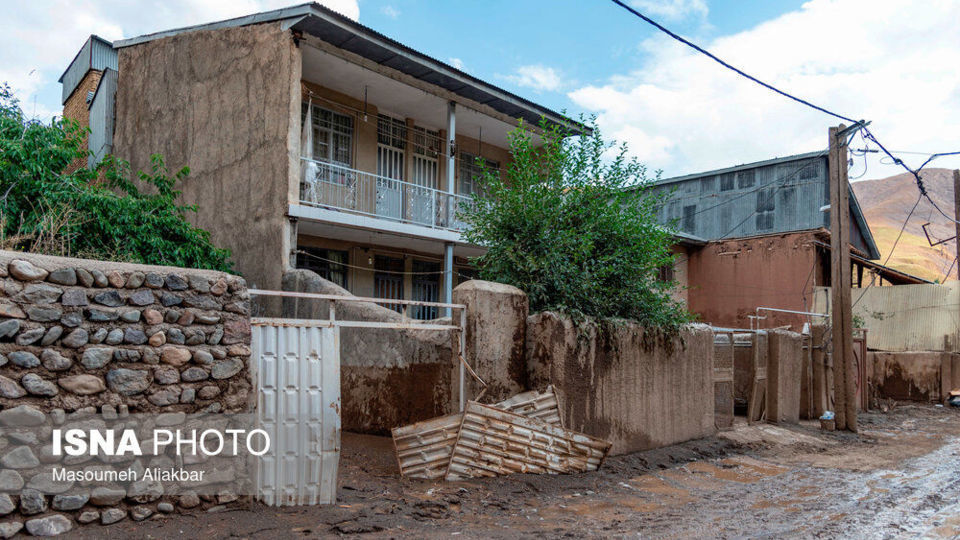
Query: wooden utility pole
956,216
841,316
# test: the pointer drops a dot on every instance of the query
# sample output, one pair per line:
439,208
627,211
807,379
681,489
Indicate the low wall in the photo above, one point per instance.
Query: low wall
80,336
914,376
623,384
388,378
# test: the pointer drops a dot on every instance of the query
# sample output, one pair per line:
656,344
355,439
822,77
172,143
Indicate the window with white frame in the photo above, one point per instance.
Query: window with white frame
332,136
471,172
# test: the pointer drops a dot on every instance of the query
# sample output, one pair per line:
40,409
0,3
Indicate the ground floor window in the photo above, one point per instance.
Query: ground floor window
330,264
426,288
388,280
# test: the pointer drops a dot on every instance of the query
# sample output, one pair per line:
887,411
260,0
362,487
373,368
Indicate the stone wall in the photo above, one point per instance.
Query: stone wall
80,337
622,383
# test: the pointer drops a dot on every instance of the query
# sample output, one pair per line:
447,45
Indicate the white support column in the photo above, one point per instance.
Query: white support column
451,181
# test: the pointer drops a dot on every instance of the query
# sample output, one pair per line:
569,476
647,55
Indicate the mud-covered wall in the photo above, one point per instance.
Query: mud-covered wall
388,377
80,338
784,371
914,376
496,324
624,384
224,103
729,279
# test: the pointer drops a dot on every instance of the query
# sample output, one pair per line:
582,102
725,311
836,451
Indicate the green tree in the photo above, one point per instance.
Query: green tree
576,228
100,213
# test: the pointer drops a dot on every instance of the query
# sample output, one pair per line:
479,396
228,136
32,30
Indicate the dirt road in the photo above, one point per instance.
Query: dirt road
900,477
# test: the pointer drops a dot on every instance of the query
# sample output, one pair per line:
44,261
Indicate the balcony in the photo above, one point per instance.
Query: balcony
331,186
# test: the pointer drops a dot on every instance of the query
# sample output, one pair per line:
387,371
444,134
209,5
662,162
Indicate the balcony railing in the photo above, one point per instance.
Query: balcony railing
328,185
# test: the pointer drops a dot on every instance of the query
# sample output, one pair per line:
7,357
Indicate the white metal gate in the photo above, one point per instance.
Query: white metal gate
297,372
298,405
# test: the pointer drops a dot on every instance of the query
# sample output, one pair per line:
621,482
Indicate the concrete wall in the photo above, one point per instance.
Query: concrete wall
730,279
79,337
914,376
226,104
624,384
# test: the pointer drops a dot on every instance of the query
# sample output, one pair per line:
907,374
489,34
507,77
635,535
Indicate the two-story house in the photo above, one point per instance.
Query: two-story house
313,142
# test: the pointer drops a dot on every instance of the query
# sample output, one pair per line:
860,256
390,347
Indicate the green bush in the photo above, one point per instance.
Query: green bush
575,228
100,213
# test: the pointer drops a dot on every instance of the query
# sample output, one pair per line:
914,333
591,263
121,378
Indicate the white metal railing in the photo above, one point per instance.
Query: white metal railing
329,185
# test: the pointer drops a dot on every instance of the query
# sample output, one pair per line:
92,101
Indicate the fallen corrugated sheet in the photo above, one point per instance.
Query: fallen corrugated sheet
494,442
423,449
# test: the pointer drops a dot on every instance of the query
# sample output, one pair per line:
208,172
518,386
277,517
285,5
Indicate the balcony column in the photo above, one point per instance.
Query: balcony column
451,180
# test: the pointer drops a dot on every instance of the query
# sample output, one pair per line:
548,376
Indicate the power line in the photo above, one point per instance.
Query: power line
740,72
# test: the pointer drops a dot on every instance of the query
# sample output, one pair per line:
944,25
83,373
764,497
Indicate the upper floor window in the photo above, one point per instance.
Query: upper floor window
426,142
391,131
471,173
332,135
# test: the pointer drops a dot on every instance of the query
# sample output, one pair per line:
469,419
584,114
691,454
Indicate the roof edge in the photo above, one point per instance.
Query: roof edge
735,168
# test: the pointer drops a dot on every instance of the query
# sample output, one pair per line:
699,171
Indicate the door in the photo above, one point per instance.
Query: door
389,182
422,196
426,288
388,280
298,404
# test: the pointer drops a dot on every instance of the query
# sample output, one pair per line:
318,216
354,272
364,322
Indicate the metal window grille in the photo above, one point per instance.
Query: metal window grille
386,282
426,288
471,171
391,131
332,136
330,264
426,142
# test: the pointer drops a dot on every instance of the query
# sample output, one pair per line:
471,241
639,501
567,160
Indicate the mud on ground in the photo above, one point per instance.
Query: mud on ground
899,477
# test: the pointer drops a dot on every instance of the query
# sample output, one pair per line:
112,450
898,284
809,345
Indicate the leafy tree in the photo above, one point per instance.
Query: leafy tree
99,213
575,228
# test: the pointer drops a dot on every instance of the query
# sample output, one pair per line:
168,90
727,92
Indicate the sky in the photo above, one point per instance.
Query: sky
885,61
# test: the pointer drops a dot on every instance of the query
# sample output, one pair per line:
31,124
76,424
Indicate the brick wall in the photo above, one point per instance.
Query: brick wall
76,108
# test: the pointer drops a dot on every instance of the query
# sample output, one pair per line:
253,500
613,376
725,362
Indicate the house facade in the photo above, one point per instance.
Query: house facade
315,142
765,241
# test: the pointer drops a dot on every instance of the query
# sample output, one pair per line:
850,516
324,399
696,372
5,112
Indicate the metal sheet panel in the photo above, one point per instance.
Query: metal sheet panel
494,442
298,394
905,317
423,449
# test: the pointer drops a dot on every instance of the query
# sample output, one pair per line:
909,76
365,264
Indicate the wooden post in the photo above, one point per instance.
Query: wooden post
841,316
956,215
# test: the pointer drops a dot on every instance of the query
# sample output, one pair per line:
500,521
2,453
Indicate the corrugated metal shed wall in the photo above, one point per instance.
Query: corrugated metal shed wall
101,118
95,54
778,197
905,317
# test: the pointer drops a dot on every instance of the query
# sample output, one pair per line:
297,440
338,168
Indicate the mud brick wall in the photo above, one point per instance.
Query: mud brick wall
784,373
80,337
624,384
913,376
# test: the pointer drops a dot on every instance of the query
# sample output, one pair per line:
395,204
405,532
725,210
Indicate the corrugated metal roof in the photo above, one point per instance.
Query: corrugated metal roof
767,197
905,317
344,33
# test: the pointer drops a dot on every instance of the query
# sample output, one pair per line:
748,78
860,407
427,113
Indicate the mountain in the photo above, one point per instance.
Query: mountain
887,202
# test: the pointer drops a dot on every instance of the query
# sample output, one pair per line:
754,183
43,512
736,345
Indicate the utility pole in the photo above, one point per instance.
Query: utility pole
956,215
841,316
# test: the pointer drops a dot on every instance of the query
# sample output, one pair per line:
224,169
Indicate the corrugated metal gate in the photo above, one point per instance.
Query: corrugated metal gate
296,364
297,367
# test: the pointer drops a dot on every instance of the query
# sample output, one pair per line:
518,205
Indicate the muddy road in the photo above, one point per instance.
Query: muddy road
899,478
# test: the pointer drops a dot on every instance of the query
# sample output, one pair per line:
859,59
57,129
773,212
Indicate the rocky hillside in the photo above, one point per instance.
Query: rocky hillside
887,202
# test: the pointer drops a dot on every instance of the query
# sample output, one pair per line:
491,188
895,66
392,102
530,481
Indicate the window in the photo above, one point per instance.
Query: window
471,173
388,280
332,136
766,206
746,179
426,288
330,264
426,142
391,131
810,170
726,182
690,218
665,273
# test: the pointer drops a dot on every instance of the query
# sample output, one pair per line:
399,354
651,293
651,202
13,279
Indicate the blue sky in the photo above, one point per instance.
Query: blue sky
678,111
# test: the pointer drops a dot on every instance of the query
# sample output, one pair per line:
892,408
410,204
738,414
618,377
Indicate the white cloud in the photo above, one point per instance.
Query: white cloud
390,11
891,64
457,63
38,39
536,76
672,9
